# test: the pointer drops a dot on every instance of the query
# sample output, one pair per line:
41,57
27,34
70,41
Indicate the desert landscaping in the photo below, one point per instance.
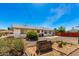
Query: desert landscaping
34,44
59,48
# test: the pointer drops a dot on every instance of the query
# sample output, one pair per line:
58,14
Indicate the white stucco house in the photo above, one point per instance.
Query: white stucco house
21,30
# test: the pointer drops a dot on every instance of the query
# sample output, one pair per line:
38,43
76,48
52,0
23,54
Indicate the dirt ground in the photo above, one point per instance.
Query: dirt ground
65,39
56,51
66,49
31,51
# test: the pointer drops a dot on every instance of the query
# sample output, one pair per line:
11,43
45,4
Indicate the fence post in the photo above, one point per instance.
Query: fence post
78,36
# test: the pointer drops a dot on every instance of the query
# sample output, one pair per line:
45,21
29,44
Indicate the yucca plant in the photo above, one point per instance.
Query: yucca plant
61,44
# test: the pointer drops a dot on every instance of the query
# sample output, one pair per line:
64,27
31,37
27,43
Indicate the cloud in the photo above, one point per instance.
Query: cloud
68,25
77,4
58,12
39,4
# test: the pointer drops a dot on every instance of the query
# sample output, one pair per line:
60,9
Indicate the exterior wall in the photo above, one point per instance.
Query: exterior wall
16,32
48,33
21,32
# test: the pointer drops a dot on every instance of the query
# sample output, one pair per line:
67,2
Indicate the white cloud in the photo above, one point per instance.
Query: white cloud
39,4
77,4
70,24
58,13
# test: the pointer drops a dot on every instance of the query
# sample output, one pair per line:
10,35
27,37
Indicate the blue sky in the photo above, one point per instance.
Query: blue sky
44,15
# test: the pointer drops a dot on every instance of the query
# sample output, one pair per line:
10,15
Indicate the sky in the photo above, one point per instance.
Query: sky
50,15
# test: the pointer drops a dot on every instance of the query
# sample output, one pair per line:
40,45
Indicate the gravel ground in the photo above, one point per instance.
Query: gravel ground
75,53
65,39
57,38
73,40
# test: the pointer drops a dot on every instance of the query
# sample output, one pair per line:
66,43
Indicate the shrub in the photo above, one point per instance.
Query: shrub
11,46
0,34
17,48
31,35
61,43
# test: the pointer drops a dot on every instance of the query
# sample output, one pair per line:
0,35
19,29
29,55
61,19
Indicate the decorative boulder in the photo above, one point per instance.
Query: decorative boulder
43,46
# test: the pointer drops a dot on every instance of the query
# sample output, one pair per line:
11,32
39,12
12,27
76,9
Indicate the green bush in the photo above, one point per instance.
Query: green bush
11,47
31,35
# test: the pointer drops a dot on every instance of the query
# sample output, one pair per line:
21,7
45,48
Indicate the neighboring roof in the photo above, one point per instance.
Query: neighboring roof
2,29
30,27
73,30
10,31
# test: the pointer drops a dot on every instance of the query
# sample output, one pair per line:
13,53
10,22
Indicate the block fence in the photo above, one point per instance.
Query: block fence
68,34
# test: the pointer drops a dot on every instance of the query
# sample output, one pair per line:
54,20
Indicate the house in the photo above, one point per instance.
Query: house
4,32
73,30
21,30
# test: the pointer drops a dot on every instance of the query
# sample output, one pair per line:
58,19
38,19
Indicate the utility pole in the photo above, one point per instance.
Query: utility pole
78,34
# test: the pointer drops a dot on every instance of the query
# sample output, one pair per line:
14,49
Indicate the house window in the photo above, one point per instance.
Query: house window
49,32
45,32
42,30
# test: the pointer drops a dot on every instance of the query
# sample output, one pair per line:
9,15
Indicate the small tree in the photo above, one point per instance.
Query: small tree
31,35
61,29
